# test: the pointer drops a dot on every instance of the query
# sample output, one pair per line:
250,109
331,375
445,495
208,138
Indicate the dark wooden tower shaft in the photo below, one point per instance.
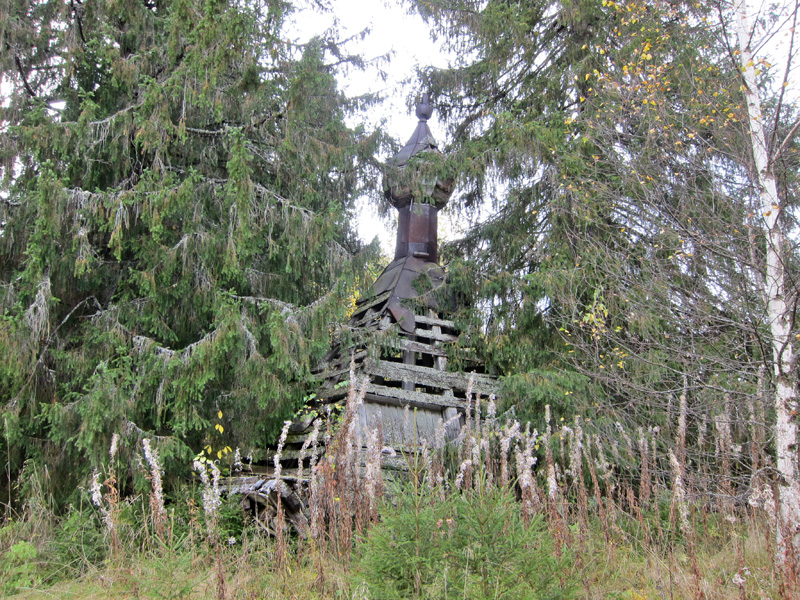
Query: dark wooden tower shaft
416,232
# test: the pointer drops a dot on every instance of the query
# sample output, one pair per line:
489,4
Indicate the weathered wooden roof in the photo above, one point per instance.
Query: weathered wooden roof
400,279
421,140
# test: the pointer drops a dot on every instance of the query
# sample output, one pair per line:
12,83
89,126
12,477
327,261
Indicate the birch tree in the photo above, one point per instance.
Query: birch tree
767,148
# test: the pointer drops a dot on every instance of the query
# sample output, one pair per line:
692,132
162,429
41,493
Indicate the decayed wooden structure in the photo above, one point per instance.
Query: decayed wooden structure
396,337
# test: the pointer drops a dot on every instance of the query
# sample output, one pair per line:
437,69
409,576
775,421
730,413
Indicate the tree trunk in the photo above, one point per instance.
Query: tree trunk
778,313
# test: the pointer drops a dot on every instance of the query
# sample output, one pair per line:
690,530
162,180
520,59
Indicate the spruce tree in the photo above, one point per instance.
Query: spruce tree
177,187
636,260
607,138
522,70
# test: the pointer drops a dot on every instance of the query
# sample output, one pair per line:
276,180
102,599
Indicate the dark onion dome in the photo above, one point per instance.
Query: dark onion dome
414,173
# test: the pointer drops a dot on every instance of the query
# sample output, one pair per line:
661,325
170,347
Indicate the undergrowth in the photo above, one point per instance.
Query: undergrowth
504,512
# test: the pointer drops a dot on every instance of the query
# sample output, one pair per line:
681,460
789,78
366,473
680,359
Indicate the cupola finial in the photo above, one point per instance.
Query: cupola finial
424,108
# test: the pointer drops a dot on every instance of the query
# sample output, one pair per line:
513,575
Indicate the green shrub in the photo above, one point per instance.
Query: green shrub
18,567
474,544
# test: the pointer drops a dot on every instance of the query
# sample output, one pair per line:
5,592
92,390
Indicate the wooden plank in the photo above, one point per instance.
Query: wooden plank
392,423
340,361
343,363
433,335
403,428
400,462
431,401
369,317
403,343
453,425
397,396
294,454
237,484
344,366
329,395
429,377
362,419
401,397
406,344
369,304
296,438
435,322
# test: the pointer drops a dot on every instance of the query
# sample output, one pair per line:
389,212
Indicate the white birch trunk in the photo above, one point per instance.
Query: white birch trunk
778,313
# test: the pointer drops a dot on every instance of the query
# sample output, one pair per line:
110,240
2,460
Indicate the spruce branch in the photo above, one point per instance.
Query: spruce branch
24,78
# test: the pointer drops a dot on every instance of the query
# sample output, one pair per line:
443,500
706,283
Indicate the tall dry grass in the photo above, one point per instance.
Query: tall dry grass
642,514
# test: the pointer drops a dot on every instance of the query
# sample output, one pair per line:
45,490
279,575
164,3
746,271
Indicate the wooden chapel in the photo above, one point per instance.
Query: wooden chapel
397,337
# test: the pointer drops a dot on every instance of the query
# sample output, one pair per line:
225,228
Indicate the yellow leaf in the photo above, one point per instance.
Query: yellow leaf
219,415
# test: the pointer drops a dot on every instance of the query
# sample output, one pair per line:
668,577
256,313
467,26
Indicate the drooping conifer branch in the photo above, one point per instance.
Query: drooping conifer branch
177,196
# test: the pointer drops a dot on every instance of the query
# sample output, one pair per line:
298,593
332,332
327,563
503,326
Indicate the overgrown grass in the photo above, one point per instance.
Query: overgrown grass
620,568
480,519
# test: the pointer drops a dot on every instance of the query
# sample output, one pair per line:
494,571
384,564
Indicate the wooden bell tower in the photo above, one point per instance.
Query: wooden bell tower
397,336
